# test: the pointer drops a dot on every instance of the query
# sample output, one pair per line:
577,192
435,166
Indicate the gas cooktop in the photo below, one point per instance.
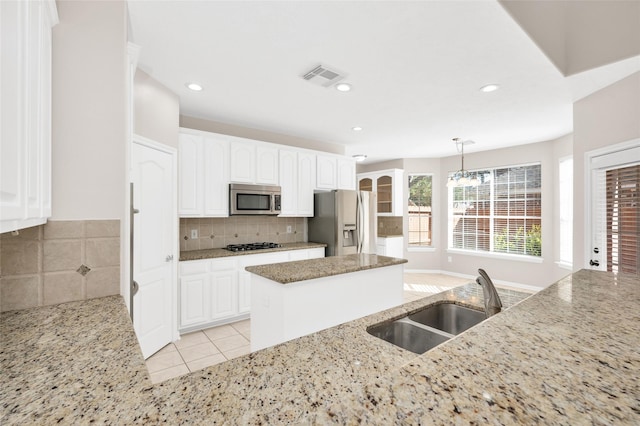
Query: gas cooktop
251,246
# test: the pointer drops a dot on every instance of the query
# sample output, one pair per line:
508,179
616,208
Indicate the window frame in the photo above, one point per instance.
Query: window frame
423,248
491,218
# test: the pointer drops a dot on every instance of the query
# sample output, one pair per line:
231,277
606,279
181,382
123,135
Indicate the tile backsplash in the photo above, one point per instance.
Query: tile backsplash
389,225
219,232
61,261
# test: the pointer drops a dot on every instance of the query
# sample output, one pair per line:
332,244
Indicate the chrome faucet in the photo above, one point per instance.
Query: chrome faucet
492,302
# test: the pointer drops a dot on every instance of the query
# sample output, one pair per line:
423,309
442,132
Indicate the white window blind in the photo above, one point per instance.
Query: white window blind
565,183
502,214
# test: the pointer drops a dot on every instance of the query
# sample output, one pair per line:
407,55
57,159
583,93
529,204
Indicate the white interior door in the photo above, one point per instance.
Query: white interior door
154,246
609,208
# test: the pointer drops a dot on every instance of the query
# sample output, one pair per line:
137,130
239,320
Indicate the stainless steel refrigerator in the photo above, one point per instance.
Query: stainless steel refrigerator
344,220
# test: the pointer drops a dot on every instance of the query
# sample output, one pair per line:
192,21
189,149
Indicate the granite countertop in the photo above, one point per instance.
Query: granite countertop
568,355
220,252
302,270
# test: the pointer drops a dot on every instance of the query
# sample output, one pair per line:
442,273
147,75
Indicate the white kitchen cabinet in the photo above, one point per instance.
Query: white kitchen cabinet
218,291
267,172
390,246
346,173
203,175
253,162
335,172
25,134
389,185
297,182
327,172
243,161
224,293
195,284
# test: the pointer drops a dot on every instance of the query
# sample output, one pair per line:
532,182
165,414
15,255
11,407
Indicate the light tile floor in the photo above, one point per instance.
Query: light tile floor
201,349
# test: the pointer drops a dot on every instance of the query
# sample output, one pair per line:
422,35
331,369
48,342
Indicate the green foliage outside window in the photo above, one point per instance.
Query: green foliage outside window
513,243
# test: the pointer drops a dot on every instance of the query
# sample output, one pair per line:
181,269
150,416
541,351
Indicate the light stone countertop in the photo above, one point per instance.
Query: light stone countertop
302,270
568,355
220,252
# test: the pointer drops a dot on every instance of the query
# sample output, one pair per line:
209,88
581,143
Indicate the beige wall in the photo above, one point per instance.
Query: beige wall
89,110
607,117
156,110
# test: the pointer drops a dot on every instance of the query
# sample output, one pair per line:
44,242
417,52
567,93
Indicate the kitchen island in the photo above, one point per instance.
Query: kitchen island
569,354
292,299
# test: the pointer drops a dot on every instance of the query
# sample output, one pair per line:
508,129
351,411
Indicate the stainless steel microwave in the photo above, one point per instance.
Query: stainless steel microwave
253,199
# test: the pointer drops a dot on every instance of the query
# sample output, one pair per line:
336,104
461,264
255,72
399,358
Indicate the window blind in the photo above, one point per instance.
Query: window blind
622,217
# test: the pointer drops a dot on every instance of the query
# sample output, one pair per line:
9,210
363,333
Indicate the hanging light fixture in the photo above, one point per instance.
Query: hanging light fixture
462,177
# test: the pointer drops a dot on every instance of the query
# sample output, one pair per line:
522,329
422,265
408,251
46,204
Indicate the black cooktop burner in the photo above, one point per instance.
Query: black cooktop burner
251,246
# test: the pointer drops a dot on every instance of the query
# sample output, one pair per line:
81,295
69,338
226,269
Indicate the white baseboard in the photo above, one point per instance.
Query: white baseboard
472,278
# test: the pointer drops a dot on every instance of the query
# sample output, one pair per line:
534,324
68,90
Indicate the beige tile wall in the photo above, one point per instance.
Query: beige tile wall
219,232
389,225
61,261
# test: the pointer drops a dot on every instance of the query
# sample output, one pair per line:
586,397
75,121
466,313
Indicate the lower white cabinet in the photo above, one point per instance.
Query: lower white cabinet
390,246
218,291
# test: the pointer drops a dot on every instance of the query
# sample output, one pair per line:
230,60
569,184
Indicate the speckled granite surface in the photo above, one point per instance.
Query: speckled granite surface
219,252
567,355
302,270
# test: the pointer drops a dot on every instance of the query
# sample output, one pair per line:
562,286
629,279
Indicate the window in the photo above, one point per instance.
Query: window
420,210
502,214
565,183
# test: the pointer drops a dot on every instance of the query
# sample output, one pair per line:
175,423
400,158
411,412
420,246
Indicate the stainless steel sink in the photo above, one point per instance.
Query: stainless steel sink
408,336
448,317
429,327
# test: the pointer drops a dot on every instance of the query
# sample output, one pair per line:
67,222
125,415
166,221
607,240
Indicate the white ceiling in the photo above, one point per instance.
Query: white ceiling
416,69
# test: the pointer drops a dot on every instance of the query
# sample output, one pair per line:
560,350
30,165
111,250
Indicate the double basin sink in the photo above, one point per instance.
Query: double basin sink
427,328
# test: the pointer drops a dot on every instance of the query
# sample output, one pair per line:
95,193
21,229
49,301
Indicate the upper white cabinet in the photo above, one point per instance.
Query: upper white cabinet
297,181
253,162
346,173
203,176
267,171
327,172
25,109
208,162
388,184
335,172
243,161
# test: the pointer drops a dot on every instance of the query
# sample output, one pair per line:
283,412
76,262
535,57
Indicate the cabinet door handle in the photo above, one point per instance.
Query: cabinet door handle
169,258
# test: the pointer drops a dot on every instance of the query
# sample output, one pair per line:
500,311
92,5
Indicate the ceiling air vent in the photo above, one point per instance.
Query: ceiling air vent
323,76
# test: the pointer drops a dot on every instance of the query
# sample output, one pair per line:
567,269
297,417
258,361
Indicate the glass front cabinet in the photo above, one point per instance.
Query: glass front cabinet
388,186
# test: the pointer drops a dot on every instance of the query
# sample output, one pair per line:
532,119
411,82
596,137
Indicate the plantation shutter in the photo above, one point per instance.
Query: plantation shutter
622,217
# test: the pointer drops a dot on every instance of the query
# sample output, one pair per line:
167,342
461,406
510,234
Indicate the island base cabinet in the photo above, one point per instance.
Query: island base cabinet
281,312
218,291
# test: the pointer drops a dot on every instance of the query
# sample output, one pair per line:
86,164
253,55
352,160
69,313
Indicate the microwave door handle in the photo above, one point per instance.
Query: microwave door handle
273,202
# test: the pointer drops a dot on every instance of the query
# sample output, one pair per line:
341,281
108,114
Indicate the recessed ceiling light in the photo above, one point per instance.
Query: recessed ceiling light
356,129
489,88
359,157
194,86
343,87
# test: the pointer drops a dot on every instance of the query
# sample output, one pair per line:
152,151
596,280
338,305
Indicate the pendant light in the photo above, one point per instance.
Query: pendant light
462,177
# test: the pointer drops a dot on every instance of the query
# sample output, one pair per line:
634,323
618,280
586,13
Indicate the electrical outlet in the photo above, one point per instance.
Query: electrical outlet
288,229
449,259
194,234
